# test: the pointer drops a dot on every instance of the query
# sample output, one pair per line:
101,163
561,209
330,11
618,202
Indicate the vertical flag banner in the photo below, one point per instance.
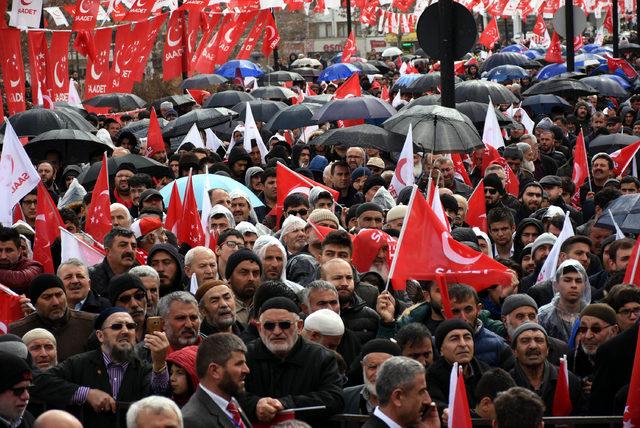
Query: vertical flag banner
58,65
12,70
97,76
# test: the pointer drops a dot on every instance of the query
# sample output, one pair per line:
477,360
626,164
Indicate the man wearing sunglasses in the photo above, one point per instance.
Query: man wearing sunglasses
127,291
14,392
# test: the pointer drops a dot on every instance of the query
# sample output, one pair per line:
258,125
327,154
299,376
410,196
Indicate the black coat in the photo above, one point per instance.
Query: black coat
438,378
202,412
94,303
100,275
308,376
375,422
360,319
27,421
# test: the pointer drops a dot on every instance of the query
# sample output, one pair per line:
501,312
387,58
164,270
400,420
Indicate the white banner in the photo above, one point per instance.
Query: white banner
26,13
58,16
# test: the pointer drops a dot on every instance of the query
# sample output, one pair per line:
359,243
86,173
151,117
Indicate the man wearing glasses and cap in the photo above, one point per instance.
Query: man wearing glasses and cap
14,392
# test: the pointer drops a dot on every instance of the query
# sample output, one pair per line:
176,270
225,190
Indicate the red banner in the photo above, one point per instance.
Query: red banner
232,36
271,36
253,36
121,68
97,76
205,58
38,59
149,33
85,15
58,65
195,22
140,10
12,69
173,51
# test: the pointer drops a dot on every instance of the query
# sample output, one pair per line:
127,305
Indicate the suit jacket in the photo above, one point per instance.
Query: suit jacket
200,405
375,422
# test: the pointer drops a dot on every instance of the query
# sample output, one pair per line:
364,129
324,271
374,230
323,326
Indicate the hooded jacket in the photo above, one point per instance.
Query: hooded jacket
517,238
186,359
180,282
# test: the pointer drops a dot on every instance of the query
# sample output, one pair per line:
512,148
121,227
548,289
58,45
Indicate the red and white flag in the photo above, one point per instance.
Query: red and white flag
632,274
608,20
155,143
73,247
174,210
10,309
12,69
232,35
48,221
561,397
97,75
252,38
84,44
349,48
477,210
459,413
618,63
58,65
490,35
189,227
554,51
492,156
491,133
173,63
580,166
631,417
271,36
38,54
403,175
86,13
623,157
349,88
461,171
98,222
204,59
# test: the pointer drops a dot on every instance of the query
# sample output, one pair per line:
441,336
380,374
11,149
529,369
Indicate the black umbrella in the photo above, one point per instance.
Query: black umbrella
561,86
610,143
425,100
605,86
143,165
437,129
65,105
295,116
629,47
626,212
35,121
75,146
309,74
275,93
227,99
505,58
140,128
481,90
365,107
181,100
278,77
203,118
427,82
318,99
361,136
262,110
366,68
380,65
545,104
477,112
117,101
202,81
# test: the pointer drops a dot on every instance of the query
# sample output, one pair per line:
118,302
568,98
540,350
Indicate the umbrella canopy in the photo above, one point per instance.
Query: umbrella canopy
143,164
610,143
365,135
551,70
65,105
518,48
626,212
629,48
380,65
140,128
437,129
181,100
262,110
244,67
366,68
278,77
545,104
309,74
318,99
295,116
507,72
203,118
276,93
117,101
505,58
337,71
391,52
589,59
306,62
75,146
202,81
365,107
227,99
427,82
477,113
480,90
425,100
215,182
534,54
561,86
605,86
35,121
403,82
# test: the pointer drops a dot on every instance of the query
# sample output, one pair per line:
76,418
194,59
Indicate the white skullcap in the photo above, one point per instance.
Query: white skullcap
292,223
38,333
325,322
246,227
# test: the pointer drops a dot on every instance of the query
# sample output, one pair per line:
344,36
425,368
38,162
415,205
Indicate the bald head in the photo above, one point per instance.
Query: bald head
331,265
339,273
56,419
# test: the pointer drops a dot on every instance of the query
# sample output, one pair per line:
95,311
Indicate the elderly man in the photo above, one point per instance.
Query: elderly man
71,328
120,246
154,411
222,368
243,272
218,309
534,372
42,347
55,419
151,281
77,286
166,260
240,206
96,379
288,372
16,271
128,292
14,392
403,396
324,327
395,217
273,256
293,235
148,231
202,262
369,216
447,177
179,311
120,216
355,157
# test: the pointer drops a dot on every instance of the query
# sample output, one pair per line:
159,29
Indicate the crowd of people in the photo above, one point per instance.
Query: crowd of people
289,320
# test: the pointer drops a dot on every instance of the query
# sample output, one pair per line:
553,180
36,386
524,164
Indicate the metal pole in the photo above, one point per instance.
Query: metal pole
616,35
445,9
348,18
568,23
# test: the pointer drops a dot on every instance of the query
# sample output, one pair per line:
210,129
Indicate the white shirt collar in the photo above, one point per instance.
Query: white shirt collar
221,402
387,420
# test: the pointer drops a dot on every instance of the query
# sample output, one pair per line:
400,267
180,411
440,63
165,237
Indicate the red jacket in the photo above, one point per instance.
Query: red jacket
19,276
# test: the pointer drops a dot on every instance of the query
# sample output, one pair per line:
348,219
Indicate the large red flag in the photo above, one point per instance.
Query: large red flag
554,51
459,413
174,210
140,10
86,12
59,65
190,230
631,416
349,48
123,55
253,36
632,274
271,36
155,143
48,221
561,398
580,166
84,44
540,28
490,35
173,64
350,88
205,58
12,70
232,36
623,157
439,254
608,20
99,211
150,30
477,211
38,54
97,76
10,309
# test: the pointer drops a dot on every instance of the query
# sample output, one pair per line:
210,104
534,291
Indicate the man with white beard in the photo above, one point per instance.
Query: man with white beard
362,399
520,308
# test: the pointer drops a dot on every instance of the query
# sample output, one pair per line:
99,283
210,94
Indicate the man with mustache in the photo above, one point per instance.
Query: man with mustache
128,292
243,271
273,256
534,372
120,246
77,286
42,347
217,308
70,328
164,258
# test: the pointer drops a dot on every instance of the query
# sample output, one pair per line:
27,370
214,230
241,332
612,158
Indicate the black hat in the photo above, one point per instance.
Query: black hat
373,180
41,283
128,166
368,206
14,371
492,180
447,326
551,180
121,283
279,303
449,202
380,345
238,257
512,152
148,194
97,323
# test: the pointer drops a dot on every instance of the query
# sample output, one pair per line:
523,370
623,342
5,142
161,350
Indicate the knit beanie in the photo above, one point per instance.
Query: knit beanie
42,283
121,283
492,180
238,257
600,311
526,327
516,301
14,371
374,180
321,214
447,327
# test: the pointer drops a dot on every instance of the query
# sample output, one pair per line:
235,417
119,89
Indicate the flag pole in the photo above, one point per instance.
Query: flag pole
402,232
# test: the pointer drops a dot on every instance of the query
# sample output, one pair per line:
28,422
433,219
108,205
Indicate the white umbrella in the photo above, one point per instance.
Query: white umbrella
306,62
391,52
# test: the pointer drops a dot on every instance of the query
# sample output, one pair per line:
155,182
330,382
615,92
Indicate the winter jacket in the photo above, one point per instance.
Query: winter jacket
491,348
19,276
438,380
180,282
100,275
360,319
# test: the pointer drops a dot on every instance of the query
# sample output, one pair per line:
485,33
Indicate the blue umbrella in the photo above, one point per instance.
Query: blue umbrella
590,48
534,54
585,60
551,70
514,48
619,80
337,71
404,81
336,58
505,58
507,72
215,181
247,69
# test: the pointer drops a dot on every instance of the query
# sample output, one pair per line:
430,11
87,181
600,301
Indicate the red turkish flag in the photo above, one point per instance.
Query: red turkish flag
490,35
561,398
554,51
194,24
205,58
461,171
47,222
632,273
190,230
84,44
174,210
350,88
155,143
58,65
580,166
614,63
492,156
97,75
98,217
459,409
38,59
252,38
149,29
271,36
85,15
622,157
631,416
12,70
349,48
477,211
439,254
140,10
608,20
232,35
10,309
384,94
124,53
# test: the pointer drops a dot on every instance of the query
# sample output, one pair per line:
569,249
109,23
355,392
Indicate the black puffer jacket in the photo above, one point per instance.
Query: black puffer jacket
360,319
180,282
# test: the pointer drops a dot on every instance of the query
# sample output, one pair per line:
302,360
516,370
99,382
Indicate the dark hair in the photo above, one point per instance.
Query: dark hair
500,214
577,239
114,233
605,196
108,121
621,294
10,234
614,279
225,234
294,200
69,215
620,244
460,292
266,291
518,408
141,179
568,186
339,163
268,172
493,382
630,179
340,238
413,334
217,348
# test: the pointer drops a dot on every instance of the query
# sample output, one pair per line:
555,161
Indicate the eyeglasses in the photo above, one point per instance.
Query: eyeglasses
302,212
233,244
271,325
596,329
19,391
137,296
120,325
490,191
628,312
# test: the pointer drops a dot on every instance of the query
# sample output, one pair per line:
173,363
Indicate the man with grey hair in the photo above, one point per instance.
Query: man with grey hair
202,262
151,281
154,411
120,216
293,235
221,366
77,286
402,393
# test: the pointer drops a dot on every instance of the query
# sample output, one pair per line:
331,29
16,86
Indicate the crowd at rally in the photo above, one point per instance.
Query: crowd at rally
293,307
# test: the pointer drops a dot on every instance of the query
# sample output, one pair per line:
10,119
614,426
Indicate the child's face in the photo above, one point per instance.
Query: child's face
179,383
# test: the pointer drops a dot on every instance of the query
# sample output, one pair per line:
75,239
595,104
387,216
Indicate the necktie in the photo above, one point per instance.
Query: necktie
237,419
